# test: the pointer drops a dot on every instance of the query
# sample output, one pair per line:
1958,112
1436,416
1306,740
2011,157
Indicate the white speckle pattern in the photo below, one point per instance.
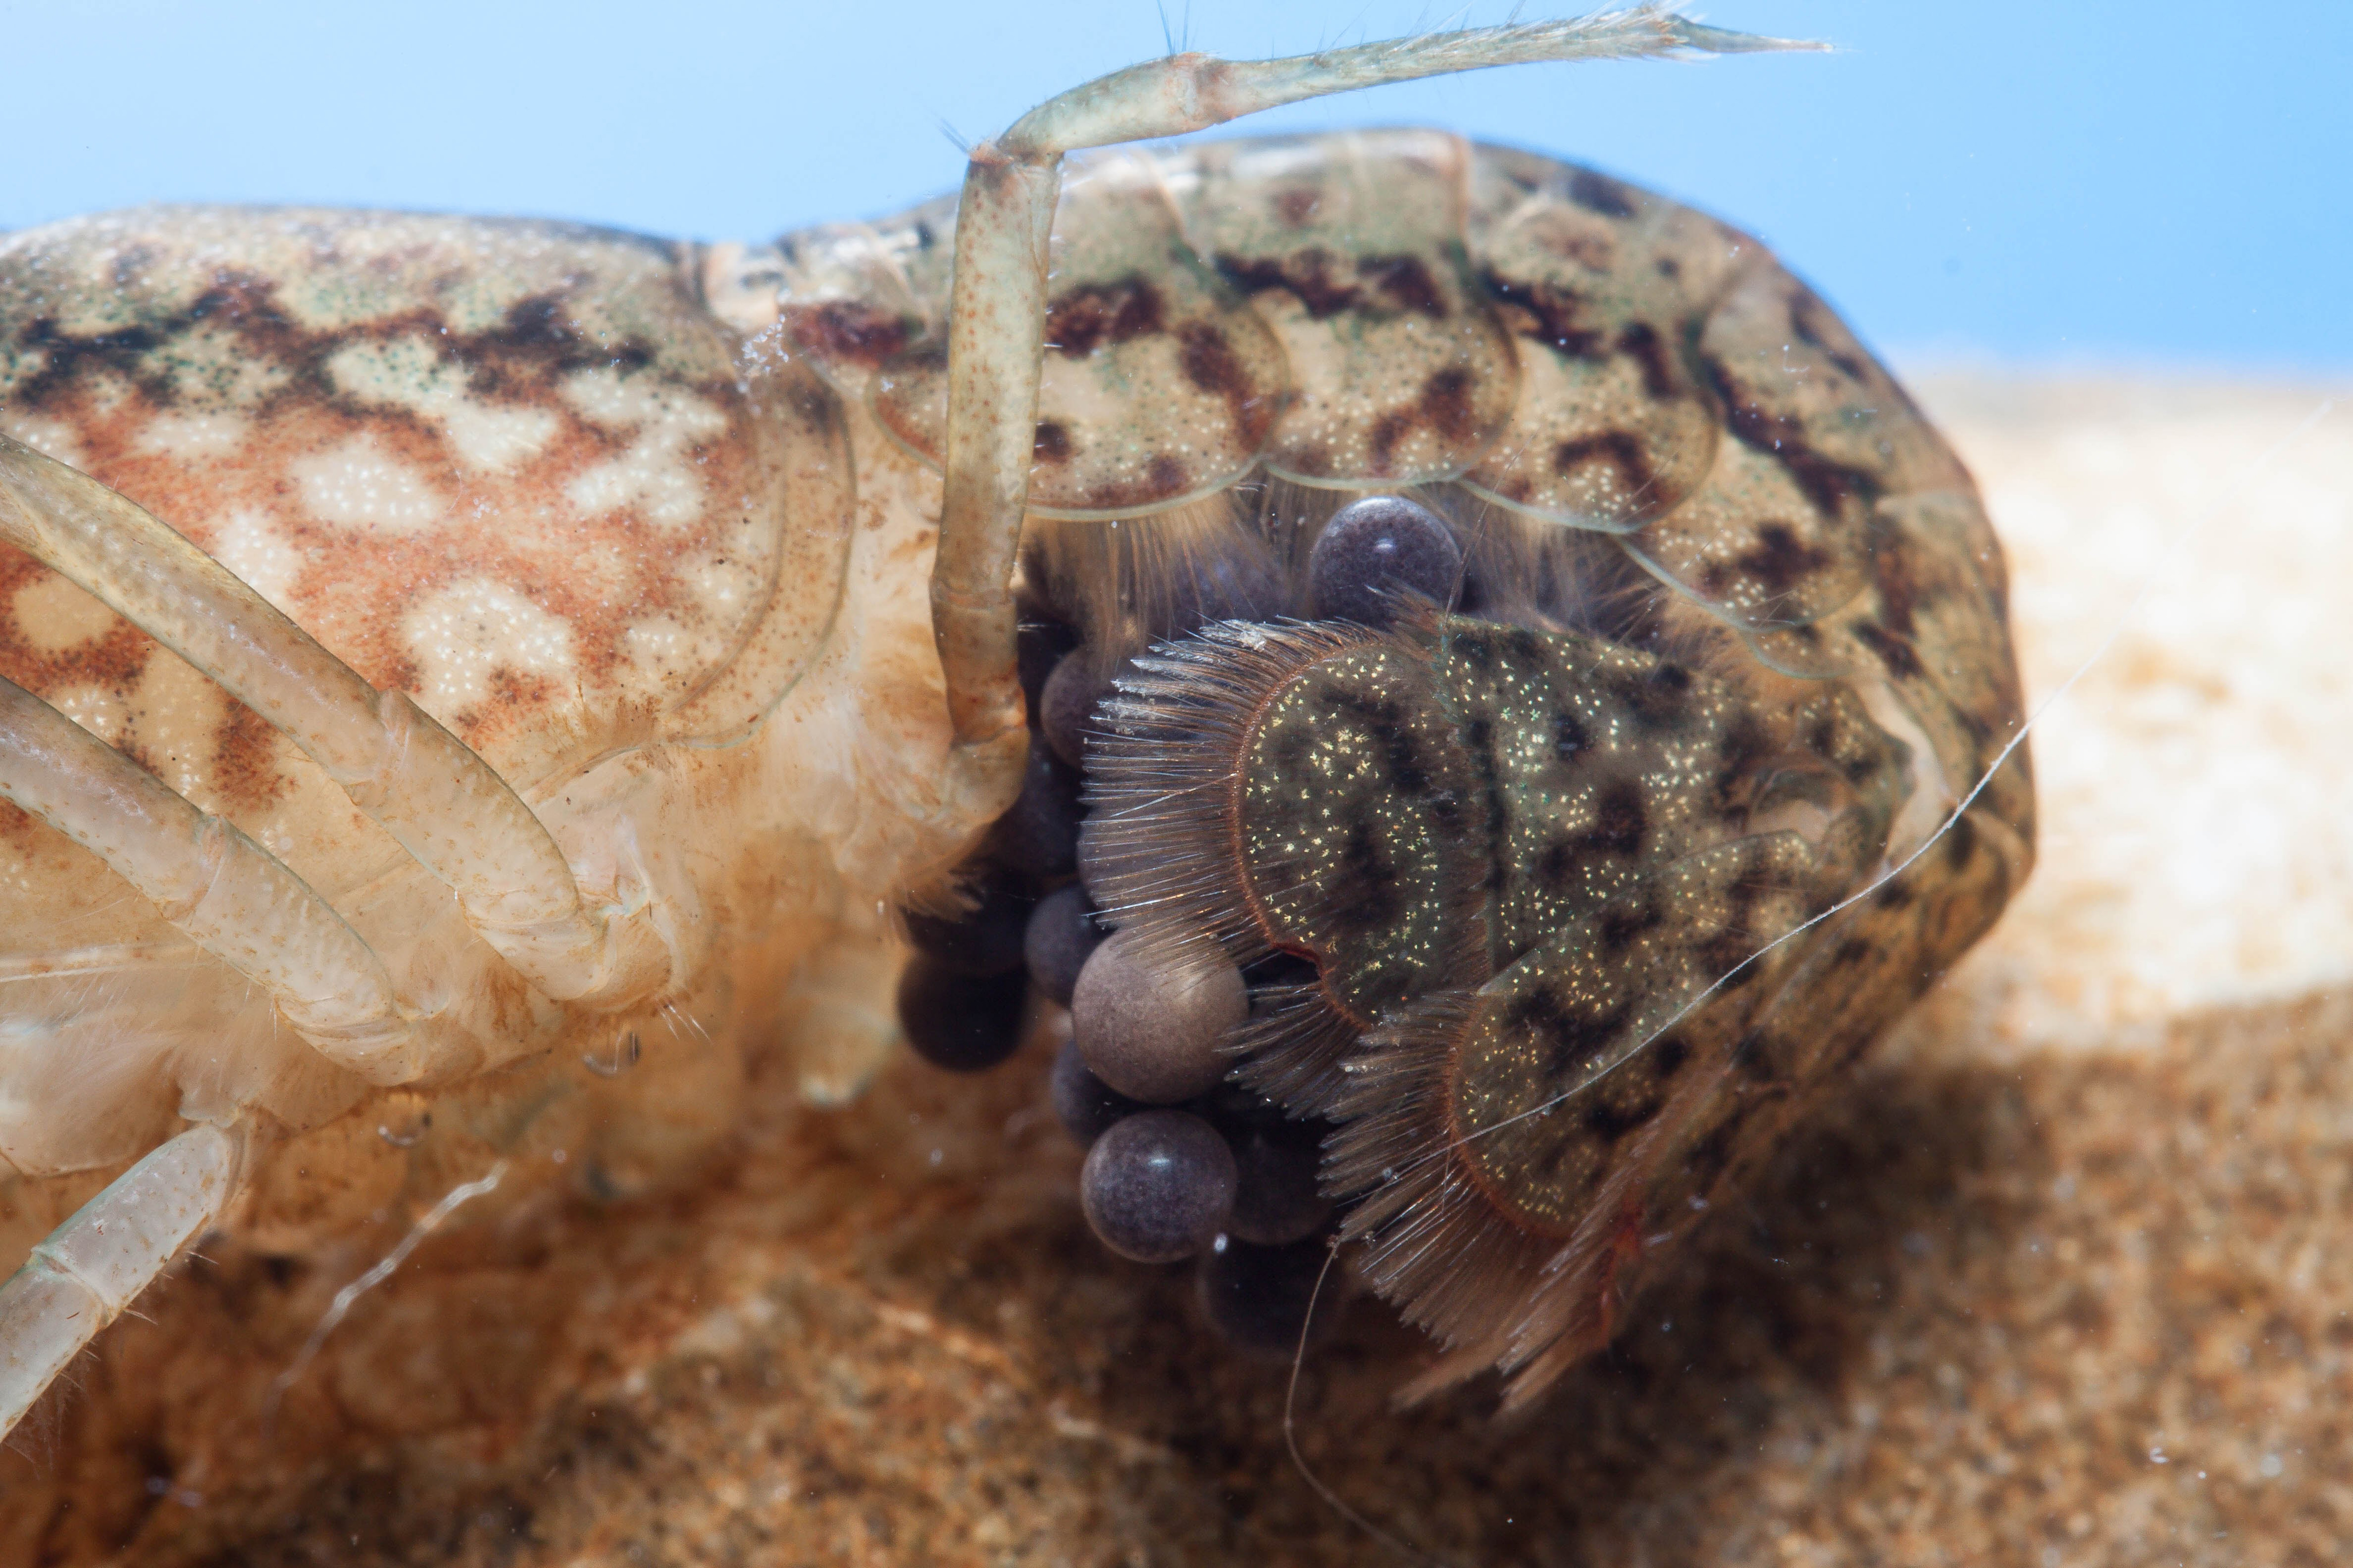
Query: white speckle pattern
490,439
46,437
657,473
251,546
469,632
360,485
409,373
193,438
94,708
664,648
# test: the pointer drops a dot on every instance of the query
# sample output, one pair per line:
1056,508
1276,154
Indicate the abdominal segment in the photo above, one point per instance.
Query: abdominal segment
1508,725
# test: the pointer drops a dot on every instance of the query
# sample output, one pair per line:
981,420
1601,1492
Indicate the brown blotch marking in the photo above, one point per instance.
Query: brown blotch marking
1960,842
1608,1120
1611,449
1744,743
1548,313
1640,341
1051,444
1620,822
1296,205
1899,588
1779,561
846,332
1386,722
1895,653
1165,477
1406,282
1667,1057
1443,406
510,690
1305,275
1093,314
1209,363
361,586
247,305
1655,698
534,324
245,748
65,358
1754,1058
1782,436
1805,313
115,659
20,826
1620,926
1573,1039
1598,192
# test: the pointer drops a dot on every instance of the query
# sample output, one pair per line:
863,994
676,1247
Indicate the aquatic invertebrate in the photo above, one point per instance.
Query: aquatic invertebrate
1748,594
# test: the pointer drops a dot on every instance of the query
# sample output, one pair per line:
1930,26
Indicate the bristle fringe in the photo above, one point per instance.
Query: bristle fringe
1499,1295
1161,773
1293,1050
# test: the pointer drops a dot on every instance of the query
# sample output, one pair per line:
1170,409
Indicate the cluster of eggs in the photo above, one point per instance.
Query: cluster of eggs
1180,1162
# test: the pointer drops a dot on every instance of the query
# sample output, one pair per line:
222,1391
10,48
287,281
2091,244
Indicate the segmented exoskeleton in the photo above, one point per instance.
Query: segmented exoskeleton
526,679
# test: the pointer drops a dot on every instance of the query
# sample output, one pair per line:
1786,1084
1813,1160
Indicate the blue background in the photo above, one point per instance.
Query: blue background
2099,185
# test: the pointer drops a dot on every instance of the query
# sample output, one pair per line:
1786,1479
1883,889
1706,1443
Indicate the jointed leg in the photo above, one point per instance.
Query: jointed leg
81,1277
440,800
232,896
997,313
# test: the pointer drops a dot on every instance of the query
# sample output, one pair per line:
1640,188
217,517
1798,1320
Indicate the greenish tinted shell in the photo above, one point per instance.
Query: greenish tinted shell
1602,866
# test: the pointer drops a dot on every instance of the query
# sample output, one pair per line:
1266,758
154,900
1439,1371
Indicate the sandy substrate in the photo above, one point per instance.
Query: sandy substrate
2064,1276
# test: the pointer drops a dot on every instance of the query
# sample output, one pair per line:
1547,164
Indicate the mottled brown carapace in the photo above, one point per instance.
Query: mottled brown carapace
1567,855
1728,647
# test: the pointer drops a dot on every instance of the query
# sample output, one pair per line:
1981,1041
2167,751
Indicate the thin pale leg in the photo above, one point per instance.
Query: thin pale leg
998,312
232,896
91,1266
432,791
